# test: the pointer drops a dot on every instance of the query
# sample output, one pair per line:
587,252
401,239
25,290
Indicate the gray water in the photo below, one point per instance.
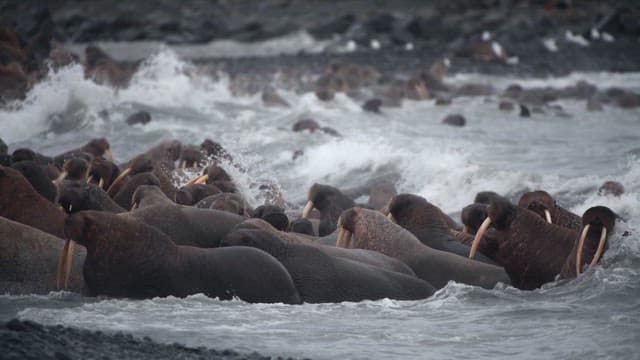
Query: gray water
595,316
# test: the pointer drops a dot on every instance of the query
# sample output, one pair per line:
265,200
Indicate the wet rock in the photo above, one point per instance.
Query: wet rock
297,154
141,117
594,105
4,149
270,97
325,94
513,91
611,188
442,101
455,120
330,131
506,106
102,69
372,105
628,100
524,111
13,82
306,124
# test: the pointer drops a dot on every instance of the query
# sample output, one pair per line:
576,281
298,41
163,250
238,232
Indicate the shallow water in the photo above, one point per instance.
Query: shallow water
594,316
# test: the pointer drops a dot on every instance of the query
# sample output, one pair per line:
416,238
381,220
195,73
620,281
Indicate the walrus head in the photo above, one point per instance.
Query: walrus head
500,214
598,218
539,202
472,217
76,168
413,211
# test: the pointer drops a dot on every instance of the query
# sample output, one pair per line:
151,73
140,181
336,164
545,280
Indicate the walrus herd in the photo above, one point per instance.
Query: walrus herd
81,222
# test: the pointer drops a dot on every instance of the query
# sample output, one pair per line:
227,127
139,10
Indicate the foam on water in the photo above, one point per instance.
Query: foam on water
570,157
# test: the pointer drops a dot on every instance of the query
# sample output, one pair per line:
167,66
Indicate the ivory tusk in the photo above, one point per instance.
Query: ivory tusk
307,209
61,178
465,229
183,164
198,179
69,262
391,218
62,263
476,240
547,215
347,240
108,155
340,236
118,180
583,235
101,183
134,206
603,240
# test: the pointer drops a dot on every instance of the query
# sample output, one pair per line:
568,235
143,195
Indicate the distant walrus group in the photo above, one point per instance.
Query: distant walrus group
140,236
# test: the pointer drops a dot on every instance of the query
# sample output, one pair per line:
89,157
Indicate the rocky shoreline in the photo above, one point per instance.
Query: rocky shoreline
30,340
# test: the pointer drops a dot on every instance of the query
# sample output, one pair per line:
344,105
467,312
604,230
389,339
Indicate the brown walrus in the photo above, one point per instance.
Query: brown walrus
373,231
126,258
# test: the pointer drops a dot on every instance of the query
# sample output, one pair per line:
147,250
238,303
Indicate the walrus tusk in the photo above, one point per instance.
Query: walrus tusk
465,229
603,240
61,178
64,264
547,215
108,155
69,260
347,240
476,240
583,235
101,183
307,209
118,180
340,236
391,218
134,206
183,164
198,179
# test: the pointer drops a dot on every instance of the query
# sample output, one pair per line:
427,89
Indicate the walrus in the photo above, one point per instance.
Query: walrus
598,223
28,259
330,201
322,278
185,225
97,147
20,202
37,177
147,171
191,194
78,195
127,258
364,256
372,230
75,169
429,225
543,204
273,215
103,172
531,250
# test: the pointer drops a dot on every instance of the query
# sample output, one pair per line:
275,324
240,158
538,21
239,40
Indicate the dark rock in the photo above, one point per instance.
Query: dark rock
141,117
297,154
302,226
372,105
454,120
325,94
306,124
335,26
611,188
442,101
330,131
628,100
524,111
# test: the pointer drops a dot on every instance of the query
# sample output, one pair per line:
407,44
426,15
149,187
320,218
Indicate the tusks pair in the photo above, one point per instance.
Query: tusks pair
596,257
118,180
599,250
64,264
